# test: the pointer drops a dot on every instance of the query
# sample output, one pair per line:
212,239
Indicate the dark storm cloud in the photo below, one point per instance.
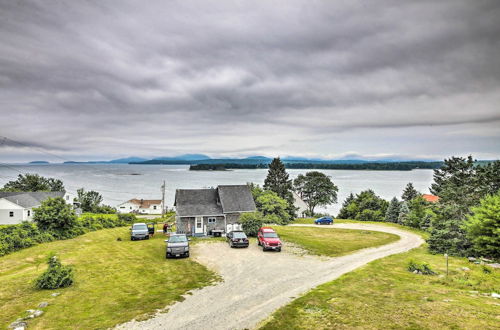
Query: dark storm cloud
114,78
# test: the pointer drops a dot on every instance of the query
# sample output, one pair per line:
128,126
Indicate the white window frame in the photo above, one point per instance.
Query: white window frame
11,214
212,220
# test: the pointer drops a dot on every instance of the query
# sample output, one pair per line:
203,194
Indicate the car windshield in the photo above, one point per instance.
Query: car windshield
177,239
140,227
270,235
239,234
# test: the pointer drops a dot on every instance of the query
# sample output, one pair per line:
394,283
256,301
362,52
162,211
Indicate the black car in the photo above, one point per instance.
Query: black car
237,239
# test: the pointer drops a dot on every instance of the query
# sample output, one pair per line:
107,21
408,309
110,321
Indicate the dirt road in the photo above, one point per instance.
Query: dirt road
255,283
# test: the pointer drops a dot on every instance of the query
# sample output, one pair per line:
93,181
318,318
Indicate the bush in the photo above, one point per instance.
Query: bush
23,235
56,276
56,216
420,268
251,222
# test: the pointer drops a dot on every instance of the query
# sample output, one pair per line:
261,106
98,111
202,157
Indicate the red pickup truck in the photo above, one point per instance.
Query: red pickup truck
268,239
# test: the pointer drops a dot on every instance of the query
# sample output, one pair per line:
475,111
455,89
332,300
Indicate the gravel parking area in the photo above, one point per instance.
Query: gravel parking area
256,283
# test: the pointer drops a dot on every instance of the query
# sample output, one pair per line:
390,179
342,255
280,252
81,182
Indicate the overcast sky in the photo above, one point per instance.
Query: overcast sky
331,79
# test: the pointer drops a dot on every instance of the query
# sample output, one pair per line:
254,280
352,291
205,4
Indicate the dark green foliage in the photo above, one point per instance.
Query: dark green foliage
392,213
419,214
277,180
56,216
409,193
447,234
345,212
315,189
56,276
420,268
460,183
251,222
26,234
89,200
273,207
33,182
23,235
483,227
365,206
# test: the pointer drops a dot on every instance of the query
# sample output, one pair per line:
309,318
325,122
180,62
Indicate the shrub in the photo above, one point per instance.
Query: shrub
251,222
56,276
55,215
420,268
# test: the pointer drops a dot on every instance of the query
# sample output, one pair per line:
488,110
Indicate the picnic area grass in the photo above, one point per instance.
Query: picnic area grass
115,281
333,242
385,295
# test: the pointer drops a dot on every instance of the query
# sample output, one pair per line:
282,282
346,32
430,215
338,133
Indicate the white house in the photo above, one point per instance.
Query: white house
16,207
141,206
300,205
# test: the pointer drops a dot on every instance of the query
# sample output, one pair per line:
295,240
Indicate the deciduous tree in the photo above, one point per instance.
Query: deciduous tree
316,189
33,182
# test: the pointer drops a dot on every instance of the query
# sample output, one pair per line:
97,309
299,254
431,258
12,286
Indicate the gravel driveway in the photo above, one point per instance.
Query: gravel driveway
256,283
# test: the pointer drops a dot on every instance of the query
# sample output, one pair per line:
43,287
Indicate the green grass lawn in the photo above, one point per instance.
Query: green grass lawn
384,295
333,241
115,281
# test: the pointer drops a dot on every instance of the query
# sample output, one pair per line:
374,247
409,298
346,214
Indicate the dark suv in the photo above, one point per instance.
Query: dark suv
177,246
237,239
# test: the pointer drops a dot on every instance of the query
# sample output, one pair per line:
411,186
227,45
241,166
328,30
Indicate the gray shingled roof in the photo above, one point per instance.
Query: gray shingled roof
236,198
192,202
30,199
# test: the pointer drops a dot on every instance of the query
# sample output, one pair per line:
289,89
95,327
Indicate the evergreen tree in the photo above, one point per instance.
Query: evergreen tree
344,211
483,227
409,193
392,213
277,180
404,210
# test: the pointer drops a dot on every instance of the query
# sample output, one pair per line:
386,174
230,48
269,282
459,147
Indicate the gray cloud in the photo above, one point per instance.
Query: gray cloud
320,78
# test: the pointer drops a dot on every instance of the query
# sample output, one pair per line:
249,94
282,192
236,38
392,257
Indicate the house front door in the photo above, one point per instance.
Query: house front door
198,226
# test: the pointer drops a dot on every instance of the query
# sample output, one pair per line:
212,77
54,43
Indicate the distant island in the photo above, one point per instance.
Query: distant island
39,162
392,166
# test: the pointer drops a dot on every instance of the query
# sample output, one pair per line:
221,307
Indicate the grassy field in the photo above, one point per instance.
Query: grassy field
385,295
115,281
333,242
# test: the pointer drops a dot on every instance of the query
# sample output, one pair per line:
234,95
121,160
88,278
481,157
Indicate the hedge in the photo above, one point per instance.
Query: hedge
26,234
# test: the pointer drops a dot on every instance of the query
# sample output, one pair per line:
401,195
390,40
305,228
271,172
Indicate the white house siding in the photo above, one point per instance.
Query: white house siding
127,207
18,213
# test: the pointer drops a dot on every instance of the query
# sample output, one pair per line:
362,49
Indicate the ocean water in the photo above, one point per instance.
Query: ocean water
119,183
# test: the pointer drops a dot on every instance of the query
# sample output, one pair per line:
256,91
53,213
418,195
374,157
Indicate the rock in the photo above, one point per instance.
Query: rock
486,260
55,294
495,295
43,304
471,259
18,325
493,265
465,269
447,300
37,313
474,292
31,311
415,271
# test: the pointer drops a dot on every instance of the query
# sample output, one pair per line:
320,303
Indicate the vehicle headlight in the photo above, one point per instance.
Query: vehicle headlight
169,249
186,248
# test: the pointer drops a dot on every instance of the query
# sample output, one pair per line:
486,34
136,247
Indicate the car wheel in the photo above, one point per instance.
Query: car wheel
166,255
147,237
263,248
187,254
132,239
231,244
279,250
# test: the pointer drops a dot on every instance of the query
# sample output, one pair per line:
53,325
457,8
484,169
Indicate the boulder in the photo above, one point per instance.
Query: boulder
43,304
493,265
465,269
471,259
55,294
18,325
37,313
495,295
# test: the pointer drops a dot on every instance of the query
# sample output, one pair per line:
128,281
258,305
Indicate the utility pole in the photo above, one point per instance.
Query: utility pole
163,199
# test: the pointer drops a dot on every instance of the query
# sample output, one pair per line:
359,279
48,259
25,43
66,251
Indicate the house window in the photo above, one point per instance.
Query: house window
211,220
131,207
122,207
198,224
154,207
29,213
67,197
11,214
